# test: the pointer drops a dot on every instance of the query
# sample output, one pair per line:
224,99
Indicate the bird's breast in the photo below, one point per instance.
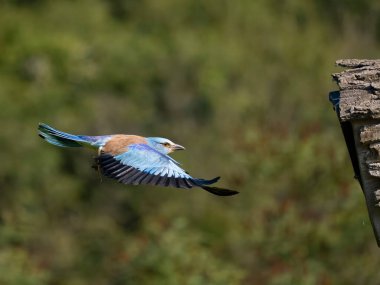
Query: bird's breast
118,144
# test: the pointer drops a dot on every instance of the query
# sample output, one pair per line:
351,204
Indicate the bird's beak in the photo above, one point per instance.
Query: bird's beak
177,147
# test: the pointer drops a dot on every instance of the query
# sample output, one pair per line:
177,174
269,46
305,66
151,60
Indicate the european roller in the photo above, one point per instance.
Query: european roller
134,160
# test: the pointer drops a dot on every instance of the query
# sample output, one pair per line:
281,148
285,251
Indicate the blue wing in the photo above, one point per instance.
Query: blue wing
142,164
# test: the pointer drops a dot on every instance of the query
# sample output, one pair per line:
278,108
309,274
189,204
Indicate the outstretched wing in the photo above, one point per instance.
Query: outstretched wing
142,164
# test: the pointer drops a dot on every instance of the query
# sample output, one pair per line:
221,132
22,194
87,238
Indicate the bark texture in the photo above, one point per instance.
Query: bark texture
358,107
359,89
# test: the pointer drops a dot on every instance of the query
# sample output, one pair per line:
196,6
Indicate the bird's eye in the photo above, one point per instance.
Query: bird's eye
166,144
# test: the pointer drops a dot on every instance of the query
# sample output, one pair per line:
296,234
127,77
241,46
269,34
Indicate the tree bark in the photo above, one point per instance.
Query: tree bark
357,104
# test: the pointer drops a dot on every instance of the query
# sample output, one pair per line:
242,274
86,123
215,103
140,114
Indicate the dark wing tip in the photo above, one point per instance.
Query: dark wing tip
220,191
201,182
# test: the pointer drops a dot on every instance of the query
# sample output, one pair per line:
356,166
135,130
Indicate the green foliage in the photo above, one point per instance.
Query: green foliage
176,248
242,84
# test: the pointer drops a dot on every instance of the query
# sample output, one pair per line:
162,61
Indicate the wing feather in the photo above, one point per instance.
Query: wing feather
142,177
141,164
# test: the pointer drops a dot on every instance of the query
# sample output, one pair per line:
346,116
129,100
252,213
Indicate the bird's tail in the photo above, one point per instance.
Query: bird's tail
59,138
203,183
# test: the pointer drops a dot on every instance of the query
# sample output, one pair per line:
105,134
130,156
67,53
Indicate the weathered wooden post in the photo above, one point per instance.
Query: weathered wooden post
357,104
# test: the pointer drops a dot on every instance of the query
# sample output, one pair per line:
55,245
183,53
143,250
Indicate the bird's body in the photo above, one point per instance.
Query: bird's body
135,160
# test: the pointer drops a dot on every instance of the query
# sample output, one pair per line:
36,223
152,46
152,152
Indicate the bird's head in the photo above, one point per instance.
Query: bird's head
163,145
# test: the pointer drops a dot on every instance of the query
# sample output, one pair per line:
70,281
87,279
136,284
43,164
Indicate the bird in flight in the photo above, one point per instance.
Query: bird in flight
134,160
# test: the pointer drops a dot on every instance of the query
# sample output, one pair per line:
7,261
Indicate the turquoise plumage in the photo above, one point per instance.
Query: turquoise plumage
134,159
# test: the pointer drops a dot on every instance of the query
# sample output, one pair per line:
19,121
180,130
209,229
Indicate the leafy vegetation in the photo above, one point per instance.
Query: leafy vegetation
242,84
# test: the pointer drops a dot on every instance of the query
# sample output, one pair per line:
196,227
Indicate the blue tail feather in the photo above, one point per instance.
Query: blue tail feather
59,138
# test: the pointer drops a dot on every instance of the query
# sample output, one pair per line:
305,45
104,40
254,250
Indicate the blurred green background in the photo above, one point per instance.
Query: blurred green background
242,84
